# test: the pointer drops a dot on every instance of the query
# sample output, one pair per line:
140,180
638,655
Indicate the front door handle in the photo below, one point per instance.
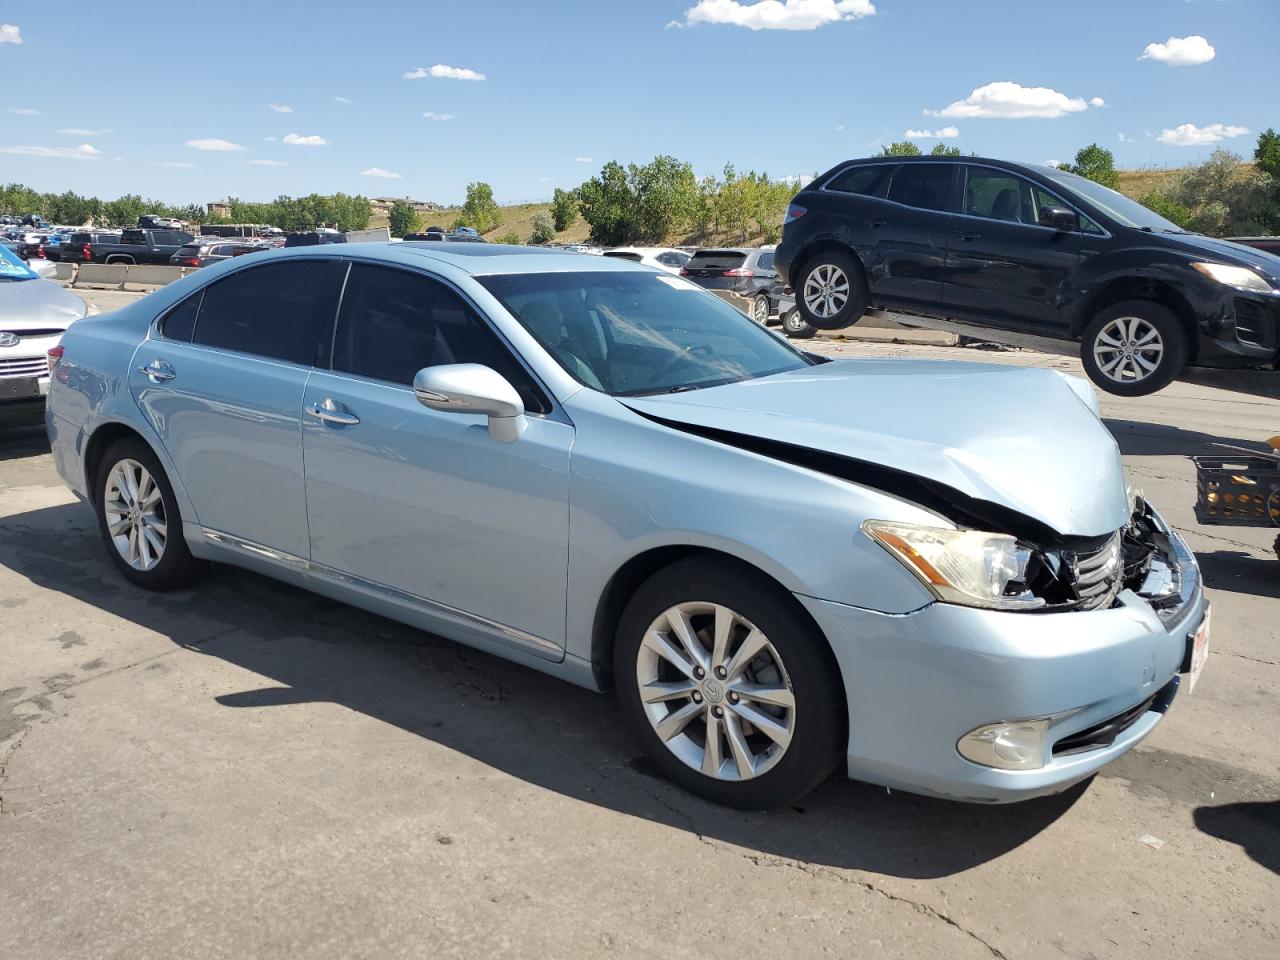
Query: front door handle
158,371
330,412
968,235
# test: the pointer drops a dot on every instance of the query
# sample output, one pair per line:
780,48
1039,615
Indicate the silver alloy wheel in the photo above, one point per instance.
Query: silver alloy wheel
1128,349
826,290
716,691
760,312
135,514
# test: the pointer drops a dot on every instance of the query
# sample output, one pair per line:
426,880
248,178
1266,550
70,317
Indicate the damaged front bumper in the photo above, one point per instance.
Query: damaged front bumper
916,683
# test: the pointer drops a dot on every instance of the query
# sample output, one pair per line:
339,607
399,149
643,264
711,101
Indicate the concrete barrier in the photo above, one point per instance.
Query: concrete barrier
103,276
64,271
149,276
736,300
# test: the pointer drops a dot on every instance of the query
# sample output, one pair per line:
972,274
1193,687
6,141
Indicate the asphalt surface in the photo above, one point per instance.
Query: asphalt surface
244,769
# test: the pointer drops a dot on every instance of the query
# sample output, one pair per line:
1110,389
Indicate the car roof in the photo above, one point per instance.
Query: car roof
477,259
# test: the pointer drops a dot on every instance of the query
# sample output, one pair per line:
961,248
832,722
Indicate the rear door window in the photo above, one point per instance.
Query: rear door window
871,181
282,310
926,186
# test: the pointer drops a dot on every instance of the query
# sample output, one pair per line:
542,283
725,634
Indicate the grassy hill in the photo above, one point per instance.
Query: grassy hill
519,217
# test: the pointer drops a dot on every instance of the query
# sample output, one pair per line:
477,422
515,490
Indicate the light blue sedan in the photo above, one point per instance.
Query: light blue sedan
929,573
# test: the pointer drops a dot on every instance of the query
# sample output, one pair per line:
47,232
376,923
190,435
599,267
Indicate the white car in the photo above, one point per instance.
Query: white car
34,314
663,258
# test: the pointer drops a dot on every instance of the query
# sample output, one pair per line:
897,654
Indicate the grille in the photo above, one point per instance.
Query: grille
24,367
32,334
1098,573
1253,325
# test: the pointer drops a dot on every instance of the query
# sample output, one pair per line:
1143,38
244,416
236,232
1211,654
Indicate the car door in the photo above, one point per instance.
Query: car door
1002,266
221,381
422,505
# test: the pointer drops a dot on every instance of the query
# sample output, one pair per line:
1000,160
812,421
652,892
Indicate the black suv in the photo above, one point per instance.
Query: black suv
1033,250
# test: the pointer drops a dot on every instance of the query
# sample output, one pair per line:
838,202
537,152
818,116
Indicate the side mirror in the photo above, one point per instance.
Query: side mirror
1060,218
473,388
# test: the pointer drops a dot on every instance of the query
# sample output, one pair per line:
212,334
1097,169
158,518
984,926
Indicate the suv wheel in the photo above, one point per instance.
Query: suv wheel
760,309
831,293
794,325
1134,348
139,519
728,685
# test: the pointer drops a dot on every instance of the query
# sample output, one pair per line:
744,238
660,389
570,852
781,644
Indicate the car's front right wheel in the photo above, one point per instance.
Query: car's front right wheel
729,686
1134,348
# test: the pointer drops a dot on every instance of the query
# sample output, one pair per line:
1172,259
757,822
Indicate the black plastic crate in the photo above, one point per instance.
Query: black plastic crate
1238,491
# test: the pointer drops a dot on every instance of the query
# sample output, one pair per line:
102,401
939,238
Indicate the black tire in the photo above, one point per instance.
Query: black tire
855,303
818,737
794,326
176,567
1170,361
761,308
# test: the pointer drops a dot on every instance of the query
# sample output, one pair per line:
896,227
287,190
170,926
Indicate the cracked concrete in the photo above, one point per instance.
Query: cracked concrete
244,769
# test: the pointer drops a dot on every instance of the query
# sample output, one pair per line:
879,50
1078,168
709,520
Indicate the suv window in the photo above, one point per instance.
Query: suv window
765,261
923,185
868,181
997,195
281,310
393,323
673,259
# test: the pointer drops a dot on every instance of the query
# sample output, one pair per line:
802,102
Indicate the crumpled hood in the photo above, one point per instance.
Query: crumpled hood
1015,436
36,305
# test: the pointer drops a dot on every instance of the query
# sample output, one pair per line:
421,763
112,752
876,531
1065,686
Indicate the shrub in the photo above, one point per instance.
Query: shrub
403,218
1168,208
564,209
509,237
544,230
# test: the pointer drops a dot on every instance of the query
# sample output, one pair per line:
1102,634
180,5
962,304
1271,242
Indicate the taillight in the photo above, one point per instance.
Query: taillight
738,272
191,261
794,212
40,251
684,271
87,252
54,355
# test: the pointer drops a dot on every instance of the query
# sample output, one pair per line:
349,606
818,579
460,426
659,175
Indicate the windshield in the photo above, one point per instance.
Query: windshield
635,333
1117,206
12,267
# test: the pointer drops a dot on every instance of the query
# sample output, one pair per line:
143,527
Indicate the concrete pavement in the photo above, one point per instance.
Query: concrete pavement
243,769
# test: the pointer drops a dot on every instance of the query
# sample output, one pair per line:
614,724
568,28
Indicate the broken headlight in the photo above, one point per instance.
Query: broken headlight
966,567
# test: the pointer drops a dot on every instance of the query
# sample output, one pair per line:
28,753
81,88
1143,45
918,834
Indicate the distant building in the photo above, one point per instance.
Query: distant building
218,208
383,204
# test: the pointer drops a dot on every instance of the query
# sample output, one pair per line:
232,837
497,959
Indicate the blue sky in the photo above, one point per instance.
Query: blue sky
786,86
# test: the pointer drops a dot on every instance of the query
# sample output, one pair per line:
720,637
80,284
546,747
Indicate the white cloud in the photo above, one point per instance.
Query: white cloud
177,163
1005,100
1053,163
778,14
268,163
83,132
341,99
1181,51
24,111
269,139
9,33
432,115
544,179
213,144
308,141
583,160
83,152
379,172
280,108
1189,135
1125,138
1097,102
839,127
945,133
445,72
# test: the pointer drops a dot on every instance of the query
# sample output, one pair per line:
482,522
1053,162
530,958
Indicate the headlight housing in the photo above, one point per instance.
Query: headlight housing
966,567
1242,278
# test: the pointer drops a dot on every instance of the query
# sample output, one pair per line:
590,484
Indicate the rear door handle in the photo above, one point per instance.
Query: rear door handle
331,412
968,235
158,371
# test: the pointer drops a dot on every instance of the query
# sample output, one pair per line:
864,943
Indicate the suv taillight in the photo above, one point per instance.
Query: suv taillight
738,272
87,252
40,251
684,271
794,212
54,355
191,261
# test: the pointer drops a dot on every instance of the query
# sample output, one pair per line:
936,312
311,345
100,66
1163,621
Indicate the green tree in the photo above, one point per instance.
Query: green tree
665,192
564,209
1226,197
544,229
608,205
942,150
404,219
1267,154
1095,163
124,211
903,148
1168,208
480,209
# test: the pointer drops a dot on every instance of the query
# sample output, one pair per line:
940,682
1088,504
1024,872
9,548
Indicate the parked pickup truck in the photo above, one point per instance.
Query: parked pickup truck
140,245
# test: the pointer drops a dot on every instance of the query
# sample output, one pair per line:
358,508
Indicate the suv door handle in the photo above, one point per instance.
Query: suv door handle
875,222
968,235
330,412
158,371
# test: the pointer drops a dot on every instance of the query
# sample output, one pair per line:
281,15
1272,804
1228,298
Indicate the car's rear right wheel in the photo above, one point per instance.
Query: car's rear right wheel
831,292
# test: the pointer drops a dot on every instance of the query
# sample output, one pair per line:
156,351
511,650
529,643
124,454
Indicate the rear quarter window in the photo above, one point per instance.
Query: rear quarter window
869,181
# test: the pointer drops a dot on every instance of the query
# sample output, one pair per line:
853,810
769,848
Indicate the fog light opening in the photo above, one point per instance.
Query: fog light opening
1012,745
